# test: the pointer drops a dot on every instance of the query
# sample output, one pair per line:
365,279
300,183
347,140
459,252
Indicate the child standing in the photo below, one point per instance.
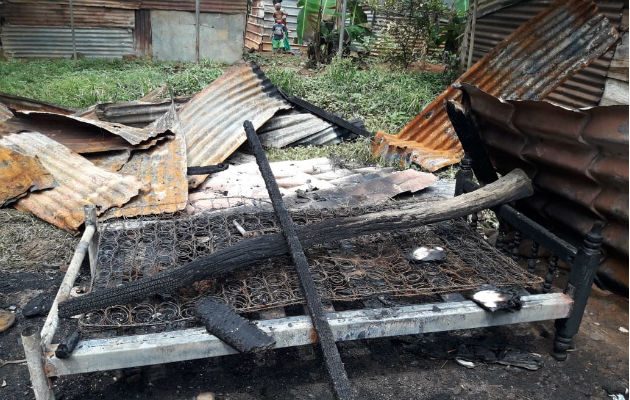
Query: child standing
279,32
278,14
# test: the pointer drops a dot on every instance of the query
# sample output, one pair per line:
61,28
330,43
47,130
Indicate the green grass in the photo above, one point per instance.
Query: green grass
98,81
383,98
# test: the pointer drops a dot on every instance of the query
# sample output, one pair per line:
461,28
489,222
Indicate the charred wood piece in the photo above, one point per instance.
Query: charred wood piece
511,187
474,147
208,169
336,371
325,115
222,321
67,345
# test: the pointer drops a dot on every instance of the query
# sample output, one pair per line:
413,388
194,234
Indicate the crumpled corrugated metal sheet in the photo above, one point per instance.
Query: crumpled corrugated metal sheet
577,159
81,134
528,64
20,174
300,129
582,89
18,103
315,182
162,170
212,122
136,113
80,182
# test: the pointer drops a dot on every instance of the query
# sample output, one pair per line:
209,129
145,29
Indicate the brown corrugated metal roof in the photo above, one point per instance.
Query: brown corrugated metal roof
20,174
528,64
58,14
81,134
5,113
80,182
212,122
577,159
128,4
216,6
163,170
25,104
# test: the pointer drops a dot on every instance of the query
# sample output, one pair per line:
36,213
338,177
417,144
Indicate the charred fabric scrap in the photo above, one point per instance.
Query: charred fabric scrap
514,185
528,65
336,372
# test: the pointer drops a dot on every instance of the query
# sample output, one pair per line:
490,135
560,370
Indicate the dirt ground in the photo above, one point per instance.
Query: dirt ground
410,367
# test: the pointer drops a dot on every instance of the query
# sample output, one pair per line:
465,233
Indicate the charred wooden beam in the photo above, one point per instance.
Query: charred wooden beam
67,345
205,170
474,147
336,372
513,186
222,321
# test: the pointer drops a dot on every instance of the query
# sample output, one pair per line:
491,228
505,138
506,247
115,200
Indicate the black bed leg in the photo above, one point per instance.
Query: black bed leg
464,174
579,288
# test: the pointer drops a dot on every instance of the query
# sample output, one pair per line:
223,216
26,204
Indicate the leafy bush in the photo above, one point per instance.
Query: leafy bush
414,29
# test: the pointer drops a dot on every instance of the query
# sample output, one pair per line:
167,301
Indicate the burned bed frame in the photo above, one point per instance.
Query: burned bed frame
455,313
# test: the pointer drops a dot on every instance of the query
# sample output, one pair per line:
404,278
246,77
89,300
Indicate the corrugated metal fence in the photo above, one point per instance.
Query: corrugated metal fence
103,28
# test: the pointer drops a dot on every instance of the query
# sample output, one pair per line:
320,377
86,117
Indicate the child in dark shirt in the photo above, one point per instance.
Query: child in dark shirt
278,34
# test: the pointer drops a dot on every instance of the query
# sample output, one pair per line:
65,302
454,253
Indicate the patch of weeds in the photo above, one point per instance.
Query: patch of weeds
27,241
98,81
357,152
385,100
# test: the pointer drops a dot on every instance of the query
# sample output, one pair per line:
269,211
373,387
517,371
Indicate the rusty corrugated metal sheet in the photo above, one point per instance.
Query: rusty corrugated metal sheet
299,128
528,64
56,42
162,170
577,159
212,122
583,89
57,14
81,134
127,4
80,182
20,174
18,103
209,6
136,113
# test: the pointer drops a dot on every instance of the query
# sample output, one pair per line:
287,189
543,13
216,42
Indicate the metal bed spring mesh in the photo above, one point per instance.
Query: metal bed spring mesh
347,270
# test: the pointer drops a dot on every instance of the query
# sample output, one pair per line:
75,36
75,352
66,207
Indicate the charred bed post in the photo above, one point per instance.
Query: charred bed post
463,175
471,142
339,379
581,279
